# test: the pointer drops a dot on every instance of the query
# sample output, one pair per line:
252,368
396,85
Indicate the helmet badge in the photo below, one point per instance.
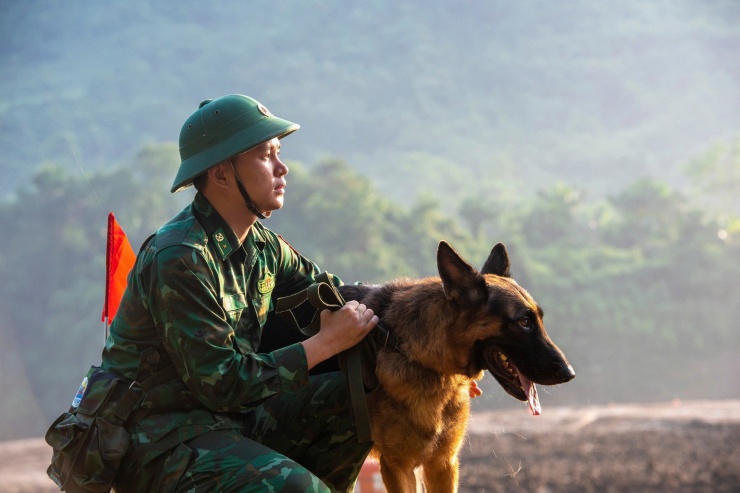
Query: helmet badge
263,110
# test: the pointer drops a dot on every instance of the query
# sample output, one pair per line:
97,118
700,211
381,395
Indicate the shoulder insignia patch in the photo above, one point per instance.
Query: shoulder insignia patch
222,243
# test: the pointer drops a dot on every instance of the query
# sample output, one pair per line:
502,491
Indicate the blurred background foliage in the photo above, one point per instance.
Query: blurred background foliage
599,142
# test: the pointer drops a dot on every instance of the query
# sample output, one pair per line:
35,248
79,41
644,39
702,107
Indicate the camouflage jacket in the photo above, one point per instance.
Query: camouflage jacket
201,300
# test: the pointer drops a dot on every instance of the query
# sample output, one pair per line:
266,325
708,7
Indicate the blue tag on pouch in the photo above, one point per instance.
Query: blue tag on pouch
80,393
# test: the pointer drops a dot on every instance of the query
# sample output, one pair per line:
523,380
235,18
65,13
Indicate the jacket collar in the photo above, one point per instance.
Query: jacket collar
221,234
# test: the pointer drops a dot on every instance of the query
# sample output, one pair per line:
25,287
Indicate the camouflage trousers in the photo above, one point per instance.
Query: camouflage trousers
294,442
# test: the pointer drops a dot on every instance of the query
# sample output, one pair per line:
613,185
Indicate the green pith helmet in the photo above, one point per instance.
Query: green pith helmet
222,128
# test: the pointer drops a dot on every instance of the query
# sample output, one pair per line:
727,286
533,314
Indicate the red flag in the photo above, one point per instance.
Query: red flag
119,260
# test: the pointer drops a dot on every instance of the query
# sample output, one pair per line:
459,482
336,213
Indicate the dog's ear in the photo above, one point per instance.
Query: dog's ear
498,262
462,284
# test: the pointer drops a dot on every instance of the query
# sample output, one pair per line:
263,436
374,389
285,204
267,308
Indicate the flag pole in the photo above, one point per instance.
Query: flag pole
108,254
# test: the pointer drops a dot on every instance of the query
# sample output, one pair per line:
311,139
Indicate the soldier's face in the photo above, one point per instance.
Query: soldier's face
263,175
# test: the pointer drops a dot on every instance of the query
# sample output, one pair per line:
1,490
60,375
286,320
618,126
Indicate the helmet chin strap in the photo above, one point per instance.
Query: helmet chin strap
247,200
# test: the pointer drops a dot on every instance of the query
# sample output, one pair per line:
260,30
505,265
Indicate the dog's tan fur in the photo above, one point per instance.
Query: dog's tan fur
419,411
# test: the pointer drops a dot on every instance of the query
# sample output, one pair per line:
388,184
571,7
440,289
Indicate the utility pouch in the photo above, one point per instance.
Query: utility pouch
90,439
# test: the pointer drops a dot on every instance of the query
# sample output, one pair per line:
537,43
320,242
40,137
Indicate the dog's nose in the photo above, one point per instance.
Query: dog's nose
567,374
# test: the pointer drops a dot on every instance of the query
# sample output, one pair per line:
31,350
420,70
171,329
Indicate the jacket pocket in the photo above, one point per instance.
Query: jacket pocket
261,306
233,305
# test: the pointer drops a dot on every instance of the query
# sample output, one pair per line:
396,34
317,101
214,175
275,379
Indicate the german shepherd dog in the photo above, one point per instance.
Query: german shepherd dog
446,332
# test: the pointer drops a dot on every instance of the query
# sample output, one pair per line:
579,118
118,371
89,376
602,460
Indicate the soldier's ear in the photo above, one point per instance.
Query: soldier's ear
219,174
462,284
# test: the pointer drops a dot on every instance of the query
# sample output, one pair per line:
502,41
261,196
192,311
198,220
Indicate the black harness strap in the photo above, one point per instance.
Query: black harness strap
386,338
324,296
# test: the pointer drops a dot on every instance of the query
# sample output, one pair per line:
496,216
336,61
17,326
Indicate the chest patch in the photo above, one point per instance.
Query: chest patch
267,283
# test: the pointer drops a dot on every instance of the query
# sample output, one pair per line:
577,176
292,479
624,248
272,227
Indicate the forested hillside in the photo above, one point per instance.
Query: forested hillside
599,142
453,98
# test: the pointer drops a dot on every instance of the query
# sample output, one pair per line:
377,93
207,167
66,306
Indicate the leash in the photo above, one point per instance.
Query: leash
323,295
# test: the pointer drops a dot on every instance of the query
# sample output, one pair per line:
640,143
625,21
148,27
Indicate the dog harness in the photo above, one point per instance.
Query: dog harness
357,362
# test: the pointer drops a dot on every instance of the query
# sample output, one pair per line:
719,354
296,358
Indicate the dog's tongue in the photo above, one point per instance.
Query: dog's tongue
531,390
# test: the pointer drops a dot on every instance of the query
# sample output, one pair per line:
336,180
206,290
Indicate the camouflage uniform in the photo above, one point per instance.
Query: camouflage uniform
236,420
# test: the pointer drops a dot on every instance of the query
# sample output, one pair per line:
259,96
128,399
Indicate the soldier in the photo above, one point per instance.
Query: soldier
198,298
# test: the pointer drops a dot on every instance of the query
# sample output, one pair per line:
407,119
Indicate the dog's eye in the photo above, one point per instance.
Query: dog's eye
524,322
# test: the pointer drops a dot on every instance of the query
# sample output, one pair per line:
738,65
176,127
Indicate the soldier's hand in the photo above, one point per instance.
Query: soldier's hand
348,325
339,330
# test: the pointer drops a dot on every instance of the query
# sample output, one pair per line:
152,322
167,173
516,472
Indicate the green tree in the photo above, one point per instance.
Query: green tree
650,215
336,218
715,177
551,219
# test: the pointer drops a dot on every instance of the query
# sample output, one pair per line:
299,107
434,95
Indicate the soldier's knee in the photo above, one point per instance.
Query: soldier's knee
301,480
283,478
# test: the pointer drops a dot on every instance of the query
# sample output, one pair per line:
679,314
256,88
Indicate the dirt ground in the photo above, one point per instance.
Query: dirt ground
677,447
